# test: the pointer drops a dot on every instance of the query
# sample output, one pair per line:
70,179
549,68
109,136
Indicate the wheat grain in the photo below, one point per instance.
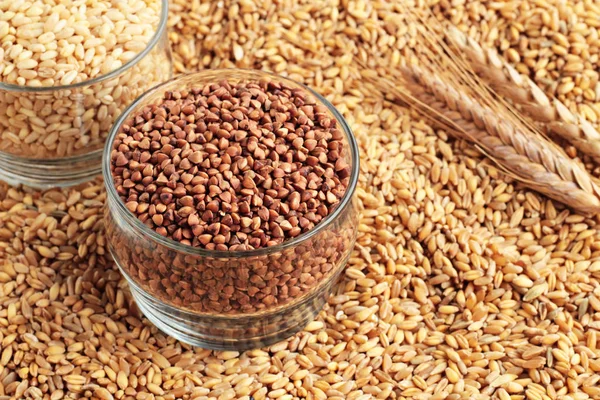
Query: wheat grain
73,42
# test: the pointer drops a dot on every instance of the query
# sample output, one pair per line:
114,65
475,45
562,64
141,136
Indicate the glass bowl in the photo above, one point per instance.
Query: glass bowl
54,136
230,299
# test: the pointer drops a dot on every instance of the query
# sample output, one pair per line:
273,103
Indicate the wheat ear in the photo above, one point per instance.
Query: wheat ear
532,100
533,160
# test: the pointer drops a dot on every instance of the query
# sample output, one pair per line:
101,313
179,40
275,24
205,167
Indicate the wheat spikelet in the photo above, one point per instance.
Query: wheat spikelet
507,81
439,82
530,158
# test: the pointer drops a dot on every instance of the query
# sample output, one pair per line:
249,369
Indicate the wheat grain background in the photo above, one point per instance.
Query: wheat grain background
463,284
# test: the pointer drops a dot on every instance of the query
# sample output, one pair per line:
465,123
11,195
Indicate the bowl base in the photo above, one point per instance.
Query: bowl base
213,342
235,332
50,173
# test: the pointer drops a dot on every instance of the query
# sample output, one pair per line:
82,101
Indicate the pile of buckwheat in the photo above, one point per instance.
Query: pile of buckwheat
462,284
231,166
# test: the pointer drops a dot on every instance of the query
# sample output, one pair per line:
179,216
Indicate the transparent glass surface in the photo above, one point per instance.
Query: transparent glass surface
230,299
54,136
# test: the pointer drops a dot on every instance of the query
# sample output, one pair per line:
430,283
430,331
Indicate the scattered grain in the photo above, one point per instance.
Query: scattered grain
448,188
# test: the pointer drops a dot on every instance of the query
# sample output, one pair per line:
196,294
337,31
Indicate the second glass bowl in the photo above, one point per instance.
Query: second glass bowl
54,136
230,299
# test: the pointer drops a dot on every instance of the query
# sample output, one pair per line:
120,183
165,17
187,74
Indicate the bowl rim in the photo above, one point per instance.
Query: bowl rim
162,26
142,229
